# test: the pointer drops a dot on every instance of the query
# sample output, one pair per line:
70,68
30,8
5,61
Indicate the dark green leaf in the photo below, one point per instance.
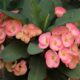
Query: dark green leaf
57,2
37,69
75,73
13,51
31,10
33,49
70,16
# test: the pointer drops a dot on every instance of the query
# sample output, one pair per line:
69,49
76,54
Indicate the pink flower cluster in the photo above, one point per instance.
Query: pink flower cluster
10,27
28,31
63,44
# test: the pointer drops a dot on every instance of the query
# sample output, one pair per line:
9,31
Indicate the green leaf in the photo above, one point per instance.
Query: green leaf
14,16
75,73
30,10
14,51
57,2
37,69
70,16
33,49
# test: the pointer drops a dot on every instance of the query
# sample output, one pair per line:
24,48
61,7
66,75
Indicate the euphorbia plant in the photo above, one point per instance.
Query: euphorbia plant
39,39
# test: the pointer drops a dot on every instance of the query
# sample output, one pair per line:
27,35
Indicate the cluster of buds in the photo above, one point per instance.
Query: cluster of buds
28,31
63,44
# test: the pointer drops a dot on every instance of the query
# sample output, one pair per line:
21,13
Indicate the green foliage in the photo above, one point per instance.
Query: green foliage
70,16
74,73
14,51
33,49
37,69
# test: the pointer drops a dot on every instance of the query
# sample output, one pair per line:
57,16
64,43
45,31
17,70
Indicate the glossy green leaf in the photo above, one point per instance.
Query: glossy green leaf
33,49
37,69
74,73
70,16
14,51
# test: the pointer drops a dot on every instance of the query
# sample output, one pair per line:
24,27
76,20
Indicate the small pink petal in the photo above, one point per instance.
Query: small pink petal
52,59
56,43
67,39
60,11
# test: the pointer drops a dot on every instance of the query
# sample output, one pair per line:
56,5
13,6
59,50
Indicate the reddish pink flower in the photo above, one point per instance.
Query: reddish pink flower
52,59
56,43
60,11
59,30
12,27
20,68
44,40
73,29
65,56
2,35
67,39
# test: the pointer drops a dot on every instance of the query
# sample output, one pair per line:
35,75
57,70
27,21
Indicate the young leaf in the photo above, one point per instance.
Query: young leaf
33,49
70,16
37,69
14,51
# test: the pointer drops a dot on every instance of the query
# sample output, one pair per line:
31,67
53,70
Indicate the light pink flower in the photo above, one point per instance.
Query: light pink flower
56,43
60,11
44,40
20,68
59,30
65,56
67,39
73,29
12,27
52,59
2,35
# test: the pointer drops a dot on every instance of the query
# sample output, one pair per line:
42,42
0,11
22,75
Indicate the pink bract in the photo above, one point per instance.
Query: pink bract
60,11
52,59
64,55
67,39
44,40
56,43
12,27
